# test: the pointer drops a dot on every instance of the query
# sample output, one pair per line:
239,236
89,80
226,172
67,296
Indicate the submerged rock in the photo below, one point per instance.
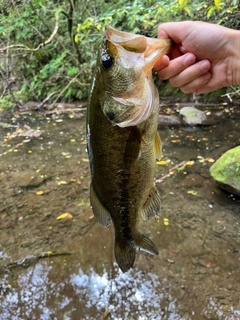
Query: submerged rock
226,171
28,178
192,116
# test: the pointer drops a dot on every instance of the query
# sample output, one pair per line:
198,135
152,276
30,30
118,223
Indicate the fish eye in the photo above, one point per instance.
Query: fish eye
107,61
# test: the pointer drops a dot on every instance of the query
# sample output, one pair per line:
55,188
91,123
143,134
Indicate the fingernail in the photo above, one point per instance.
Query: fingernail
189,59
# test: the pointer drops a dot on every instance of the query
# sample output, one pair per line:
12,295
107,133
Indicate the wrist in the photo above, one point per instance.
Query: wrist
235,57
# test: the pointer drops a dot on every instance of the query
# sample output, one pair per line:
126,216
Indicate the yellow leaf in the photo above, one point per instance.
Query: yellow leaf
209,159
62,182
99,26
217,4
72,140
187,10
39,193
64,216
161,163
166,221
85,160
189,163
192,192
76,38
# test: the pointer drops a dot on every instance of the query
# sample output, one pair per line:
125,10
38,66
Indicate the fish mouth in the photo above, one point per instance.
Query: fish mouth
152,48
139,53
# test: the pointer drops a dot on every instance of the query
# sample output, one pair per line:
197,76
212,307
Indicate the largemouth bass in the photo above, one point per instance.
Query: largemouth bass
122,139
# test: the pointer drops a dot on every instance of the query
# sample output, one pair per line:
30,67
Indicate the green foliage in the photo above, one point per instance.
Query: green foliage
48,47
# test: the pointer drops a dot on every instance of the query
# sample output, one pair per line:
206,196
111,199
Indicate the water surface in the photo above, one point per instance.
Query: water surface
197,272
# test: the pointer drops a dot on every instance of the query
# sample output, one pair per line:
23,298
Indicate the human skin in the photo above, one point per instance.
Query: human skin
204,58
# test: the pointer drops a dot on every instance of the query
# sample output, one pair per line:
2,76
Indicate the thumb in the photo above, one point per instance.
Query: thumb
162,34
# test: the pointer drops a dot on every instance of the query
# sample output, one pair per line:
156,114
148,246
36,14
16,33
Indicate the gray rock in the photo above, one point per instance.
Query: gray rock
192,116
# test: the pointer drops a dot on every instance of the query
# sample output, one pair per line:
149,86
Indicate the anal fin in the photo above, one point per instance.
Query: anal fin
145,244
152,206
100,212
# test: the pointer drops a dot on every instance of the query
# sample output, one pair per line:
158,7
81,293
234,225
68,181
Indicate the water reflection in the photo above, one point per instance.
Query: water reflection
35,295
134,292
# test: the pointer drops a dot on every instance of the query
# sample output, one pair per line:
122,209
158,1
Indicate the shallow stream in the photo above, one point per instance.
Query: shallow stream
65,268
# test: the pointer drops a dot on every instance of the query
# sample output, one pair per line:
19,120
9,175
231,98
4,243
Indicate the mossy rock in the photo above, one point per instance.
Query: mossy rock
226,171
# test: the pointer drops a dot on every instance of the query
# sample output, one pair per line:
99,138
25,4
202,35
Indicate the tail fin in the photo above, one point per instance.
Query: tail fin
125,253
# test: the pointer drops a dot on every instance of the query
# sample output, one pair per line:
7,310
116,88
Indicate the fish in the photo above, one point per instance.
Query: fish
122,139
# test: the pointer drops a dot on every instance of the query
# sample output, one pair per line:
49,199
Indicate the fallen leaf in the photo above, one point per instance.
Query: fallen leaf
85,160
192,192
161,163
209,159
62,182
166,221
189,163
64,216
39,193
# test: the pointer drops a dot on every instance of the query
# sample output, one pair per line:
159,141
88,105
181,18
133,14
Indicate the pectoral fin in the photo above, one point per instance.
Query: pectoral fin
158,146
152,206
100,212
133,145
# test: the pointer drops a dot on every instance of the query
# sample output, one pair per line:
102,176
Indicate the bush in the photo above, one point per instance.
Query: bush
48,47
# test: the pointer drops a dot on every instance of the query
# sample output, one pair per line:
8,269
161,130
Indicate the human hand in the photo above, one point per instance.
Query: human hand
204,57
